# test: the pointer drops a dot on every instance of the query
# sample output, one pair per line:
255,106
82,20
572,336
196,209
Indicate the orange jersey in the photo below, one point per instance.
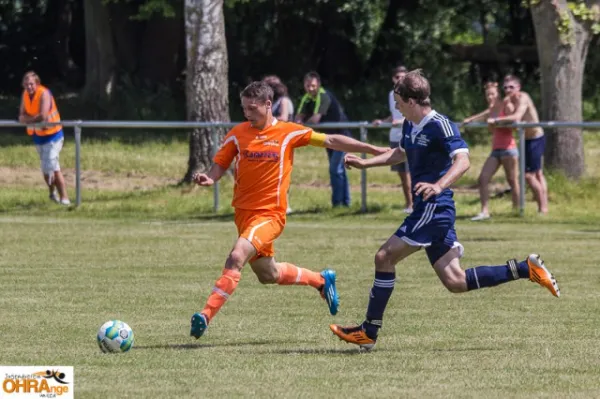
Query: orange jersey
263,162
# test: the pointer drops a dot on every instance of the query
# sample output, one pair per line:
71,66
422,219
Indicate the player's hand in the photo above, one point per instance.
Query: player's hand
353,161
427,189
492,121
202,179
377,122
397,122
380,150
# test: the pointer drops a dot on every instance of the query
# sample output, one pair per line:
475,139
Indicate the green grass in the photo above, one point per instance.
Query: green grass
164,162
149,255
63,278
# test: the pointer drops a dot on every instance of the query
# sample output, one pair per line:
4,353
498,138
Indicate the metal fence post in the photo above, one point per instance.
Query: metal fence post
77,165
363,173
215,147
521,171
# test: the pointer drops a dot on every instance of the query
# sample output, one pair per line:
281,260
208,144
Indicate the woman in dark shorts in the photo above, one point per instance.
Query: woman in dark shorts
504,151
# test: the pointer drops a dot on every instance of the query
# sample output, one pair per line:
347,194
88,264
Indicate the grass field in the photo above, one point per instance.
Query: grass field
515,340
148,255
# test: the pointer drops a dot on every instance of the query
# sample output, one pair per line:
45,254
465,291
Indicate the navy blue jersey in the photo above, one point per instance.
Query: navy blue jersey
430,147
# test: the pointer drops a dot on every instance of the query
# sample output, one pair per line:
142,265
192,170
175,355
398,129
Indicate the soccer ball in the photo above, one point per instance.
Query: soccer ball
115,336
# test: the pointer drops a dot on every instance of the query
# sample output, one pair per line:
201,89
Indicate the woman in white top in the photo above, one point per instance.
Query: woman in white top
396,118
282,108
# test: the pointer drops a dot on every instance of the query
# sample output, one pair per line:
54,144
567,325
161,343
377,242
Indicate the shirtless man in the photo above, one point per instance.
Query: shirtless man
535,141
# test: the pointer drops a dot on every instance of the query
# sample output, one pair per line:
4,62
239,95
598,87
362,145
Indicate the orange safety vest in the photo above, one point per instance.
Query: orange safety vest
33,107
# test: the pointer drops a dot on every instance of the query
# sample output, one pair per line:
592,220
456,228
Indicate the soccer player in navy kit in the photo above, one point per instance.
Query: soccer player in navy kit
438,157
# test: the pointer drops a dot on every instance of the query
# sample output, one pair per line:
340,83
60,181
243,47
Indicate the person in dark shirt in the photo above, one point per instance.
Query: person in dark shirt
319,105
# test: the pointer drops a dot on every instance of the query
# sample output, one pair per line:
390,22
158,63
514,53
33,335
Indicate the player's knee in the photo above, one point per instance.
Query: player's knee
236,260
382,259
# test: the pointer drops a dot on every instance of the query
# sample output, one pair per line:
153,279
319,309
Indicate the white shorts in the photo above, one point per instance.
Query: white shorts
49,155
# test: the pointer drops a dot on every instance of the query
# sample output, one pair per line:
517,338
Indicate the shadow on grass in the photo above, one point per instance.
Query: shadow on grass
320,351
213,216
470,349
230,215
201,346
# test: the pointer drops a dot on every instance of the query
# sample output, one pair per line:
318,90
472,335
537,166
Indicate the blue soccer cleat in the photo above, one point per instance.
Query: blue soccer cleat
199,325
329,292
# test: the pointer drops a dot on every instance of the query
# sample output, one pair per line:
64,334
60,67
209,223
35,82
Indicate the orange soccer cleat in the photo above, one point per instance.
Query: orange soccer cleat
353,335
539,274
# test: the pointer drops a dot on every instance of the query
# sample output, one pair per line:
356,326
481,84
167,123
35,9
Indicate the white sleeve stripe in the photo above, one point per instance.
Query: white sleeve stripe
458,151
445,124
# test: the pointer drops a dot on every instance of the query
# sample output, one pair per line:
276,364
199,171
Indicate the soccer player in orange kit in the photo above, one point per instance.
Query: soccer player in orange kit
262,150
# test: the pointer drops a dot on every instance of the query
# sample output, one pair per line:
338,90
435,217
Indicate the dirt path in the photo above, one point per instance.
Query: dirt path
26,177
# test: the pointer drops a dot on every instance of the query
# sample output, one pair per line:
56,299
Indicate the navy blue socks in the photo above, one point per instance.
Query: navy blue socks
489,276
378,299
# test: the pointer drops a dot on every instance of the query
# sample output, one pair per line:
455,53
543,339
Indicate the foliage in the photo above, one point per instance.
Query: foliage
580,11
149,8
352,44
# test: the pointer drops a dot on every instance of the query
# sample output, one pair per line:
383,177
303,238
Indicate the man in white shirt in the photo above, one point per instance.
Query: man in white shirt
396,118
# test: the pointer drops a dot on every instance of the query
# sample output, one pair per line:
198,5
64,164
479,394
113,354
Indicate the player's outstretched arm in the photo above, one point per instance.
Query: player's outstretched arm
390,157
208,179
339,142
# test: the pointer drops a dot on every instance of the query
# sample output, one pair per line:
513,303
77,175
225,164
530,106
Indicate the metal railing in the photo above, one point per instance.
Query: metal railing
361,126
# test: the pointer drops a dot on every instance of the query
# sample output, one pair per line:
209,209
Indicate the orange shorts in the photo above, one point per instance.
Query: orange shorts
261,228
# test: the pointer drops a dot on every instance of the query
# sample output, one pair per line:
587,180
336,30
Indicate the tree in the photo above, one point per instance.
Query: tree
100,62
206,77
563,33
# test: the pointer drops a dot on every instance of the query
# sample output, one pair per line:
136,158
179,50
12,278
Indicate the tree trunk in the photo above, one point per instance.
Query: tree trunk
100,59
562,61
206,78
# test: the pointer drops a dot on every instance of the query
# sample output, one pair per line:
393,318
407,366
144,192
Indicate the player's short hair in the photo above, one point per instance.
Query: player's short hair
512,78
416,86
31,74
399,69
259,91
312,75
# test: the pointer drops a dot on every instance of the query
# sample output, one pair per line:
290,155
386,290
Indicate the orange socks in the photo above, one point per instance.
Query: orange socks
292,275
223,288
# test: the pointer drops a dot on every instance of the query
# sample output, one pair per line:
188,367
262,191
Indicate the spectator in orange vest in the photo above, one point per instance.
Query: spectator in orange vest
38,106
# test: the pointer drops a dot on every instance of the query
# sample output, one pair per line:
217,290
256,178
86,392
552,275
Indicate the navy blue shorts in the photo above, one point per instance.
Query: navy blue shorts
399,167
431,227
534,150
